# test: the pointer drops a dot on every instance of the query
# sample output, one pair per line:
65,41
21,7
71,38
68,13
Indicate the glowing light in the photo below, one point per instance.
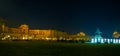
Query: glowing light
60,38
81,34
8,36
116,40
108,40
54,38
23,38
95,40
113,40
116,34
119,40
3,38
105,40
48,38
99,39
92,40
102,41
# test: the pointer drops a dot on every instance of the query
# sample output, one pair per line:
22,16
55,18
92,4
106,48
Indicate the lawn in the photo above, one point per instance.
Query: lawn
37,48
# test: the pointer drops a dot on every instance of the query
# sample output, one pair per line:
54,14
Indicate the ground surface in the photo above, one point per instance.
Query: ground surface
36,48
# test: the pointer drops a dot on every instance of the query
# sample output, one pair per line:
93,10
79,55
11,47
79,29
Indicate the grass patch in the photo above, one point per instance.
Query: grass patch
37,48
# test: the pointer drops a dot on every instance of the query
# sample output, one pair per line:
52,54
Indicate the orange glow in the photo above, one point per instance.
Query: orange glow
116,34
24,33
81,34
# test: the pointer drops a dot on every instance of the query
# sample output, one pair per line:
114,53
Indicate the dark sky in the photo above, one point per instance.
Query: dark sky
68,15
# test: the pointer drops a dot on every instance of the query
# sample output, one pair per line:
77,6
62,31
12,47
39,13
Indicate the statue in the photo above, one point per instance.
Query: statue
98,34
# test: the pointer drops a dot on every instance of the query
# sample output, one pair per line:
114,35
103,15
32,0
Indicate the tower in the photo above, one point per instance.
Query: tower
98,34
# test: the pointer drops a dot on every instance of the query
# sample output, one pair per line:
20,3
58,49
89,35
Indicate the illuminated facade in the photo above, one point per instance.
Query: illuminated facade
24,33
83,36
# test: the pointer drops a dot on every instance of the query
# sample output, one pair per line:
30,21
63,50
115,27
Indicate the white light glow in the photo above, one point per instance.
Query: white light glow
99,40
95,40
119,40
113,40
116,41
108,40
8,36
92,40
102,41
105,40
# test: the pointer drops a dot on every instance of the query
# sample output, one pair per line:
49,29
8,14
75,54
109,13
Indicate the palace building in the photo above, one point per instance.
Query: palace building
23,32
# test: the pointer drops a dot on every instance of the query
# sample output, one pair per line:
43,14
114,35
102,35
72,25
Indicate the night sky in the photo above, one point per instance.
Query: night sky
67,15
